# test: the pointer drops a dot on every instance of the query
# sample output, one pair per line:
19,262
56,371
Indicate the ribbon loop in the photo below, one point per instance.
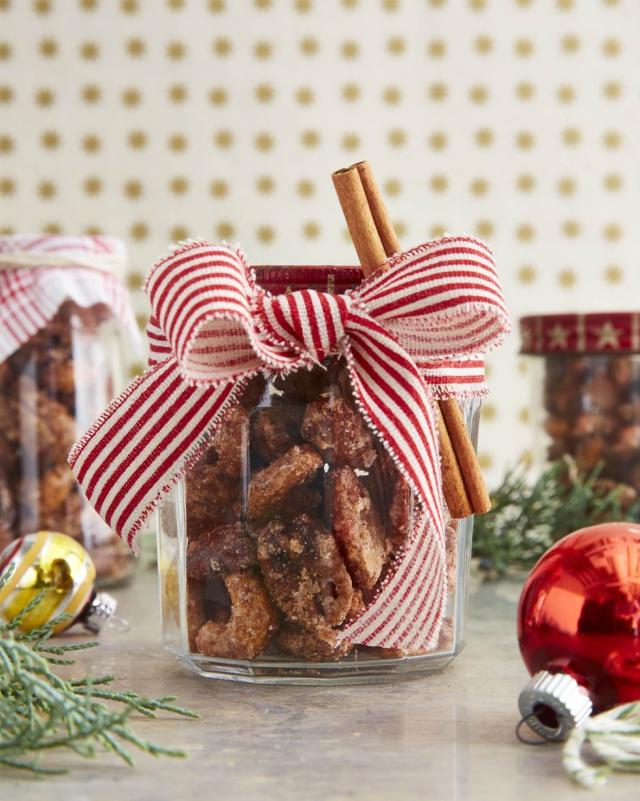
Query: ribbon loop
407,334
316,321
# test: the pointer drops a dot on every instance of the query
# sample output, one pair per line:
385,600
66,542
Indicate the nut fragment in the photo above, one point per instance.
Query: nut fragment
357,528
304,572
338,431
270,487
252,620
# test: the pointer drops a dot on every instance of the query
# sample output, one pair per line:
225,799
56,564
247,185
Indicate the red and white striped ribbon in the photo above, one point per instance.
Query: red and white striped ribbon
212,327
39,273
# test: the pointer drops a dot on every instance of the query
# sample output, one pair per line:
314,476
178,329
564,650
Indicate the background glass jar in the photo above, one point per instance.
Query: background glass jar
585,378
285,528
51,390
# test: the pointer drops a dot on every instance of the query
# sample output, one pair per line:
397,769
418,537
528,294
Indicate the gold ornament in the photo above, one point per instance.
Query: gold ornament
59,568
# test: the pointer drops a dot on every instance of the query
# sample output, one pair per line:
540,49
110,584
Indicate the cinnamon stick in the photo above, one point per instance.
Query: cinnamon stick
358,214
463,484
466,458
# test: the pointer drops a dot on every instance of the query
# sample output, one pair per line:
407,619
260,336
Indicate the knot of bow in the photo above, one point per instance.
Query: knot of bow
411,332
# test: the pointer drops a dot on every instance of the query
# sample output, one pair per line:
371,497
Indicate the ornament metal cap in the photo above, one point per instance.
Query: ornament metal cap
99,611
552,704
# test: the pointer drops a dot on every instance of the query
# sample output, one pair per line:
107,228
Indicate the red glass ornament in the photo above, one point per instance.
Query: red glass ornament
579,612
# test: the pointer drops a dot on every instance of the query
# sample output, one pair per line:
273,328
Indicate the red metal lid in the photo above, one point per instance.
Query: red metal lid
279,279
598,332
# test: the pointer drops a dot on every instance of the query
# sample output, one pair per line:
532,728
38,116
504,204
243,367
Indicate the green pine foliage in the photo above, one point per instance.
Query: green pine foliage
41,712
528,518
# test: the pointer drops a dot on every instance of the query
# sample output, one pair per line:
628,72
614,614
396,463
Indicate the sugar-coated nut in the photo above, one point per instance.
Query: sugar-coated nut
312,646
628,439
269,487
602,392
556,426
252,392
621,370
55,486
223,549
357,528
251,622
227,442
303,499
274,430
339,432
212,498
304,572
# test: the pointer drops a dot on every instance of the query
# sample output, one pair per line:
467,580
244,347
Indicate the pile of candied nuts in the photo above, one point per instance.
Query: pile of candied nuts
294,514
592,405
44,387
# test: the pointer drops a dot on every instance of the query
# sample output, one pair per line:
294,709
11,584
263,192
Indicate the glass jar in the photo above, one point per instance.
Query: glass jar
53,385
286,527
585,380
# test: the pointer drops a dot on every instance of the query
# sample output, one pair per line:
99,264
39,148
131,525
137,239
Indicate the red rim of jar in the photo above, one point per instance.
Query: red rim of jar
596,332
326,278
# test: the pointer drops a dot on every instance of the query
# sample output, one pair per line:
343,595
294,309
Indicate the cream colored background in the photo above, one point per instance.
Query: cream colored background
515,120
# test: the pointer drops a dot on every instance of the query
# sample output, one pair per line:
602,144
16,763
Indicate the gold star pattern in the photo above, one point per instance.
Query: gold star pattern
44,97
89,51
176,50
222,47
91,143
437,48
219,188
305,188
272,96
263,50
177,93
613,274
135,47
48,48
50,140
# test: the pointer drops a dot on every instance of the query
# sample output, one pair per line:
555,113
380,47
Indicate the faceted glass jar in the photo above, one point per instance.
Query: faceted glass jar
587,406
584,373
51,390
285,529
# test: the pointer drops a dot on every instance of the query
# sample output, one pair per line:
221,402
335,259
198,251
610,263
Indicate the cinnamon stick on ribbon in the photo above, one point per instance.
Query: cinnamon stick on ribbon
375,240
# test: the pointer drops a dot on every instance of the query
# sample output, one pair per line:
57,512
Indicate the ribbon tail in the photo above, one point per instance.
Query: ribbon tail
408,611
144,443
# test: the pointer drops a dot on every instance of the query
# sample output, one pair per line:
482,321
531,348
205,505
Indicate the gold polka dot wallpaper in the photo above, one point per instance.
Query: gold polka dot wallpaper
513,120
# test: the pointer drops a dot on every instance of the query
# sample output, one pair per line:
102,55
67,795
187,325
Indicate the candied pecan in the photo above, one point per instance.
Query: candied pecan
224,549
229,440
602,393
251,622
304,572
270,487
338,431
357,527
302,500
312,646
55,486
252,392
46,420
621,370
212,498
274,430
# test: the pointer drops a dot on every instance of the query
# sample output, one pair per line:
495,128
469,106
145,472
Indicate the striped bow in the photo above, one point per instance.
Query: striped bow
408,333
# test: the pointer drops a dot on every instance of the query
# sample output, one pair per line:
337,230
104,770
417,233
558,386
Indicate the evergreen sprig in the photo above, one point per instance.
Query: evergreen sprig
528,518
40,711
